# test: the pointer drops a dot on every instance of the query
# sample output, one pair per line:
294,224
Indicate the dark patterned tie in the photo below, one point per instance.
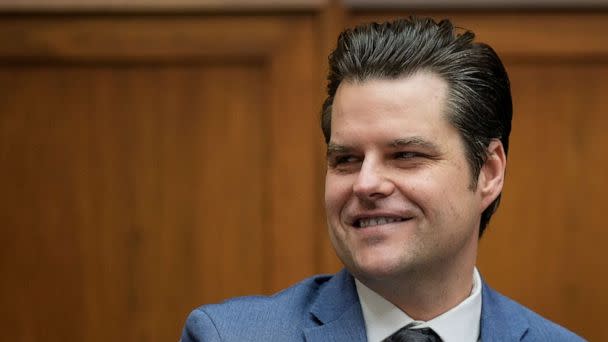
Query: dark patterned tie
407,334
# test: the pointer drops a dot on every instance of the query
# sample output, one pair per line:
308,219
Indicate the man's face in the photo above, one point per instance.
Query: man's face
398,191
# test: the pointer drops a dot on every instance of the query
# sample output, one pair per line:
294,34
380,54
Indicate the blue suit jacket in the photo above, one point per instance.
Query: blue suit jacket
326,308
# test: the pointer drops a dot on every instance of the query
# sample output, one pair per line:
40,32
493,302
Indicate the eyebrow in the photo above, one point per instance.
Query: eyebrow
419,142
414,141
337,149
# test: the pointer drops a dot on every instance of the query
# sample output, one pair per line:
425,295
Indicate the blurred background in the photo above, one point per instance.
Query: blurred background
156,155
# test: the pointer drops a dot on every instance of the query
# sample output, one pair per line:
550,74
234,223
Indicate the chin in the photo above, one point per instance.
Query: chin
377,268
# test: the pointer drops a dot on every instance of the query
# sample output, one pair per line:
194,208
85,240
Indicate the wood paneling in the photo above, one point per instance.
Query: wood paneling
521,35
150,165
159,5
331,22
544,245
474,4
79,38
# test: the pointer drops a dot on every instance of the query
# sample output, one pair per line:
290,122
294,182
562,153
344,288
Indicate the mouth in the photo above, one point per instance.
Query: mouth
377,221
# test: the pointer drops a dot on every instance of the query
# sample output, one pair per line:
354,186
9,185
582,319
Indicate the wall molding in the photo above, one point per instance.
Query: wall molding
158,5
475,4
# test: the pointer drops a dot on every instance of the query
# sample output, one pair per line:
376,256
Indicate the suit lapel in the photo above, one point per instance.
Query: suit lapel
339,316
500,319
338,312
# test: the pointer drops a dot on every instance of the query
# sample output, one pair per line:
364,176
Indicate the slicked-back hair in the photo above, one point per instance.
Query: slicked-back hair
479,96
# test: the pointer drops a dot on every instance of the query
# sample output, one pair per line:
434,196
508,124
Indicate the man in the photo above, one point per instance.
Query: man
417,124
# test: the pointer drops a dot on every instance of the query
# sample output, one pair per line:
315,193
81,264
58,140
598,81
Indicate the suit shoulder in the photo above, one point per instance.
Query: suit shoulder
280,314
539,328
297,296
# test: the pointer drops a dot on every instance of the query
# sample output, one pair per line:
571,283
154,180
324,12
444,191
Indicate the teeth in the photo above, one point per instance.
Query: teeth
375,221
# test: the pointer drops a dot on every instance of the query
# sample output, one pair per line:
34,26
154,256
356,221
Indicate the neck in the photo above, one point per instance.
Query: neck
425,294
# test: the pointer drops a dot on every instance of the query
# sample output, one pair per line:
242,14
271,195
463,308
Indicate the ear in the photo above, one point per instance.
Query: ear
492,173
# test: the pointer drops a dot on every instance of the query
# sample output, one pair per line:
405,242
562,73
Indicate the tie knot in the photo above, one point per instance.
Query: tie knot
408,334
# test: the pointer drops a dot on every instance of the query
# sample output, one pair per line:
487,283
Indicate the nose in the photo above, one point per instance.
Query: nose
372,182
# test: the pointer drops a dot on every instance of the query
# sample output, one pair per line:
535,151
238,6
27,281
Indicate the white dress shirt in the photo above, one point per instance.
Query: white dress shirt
459,324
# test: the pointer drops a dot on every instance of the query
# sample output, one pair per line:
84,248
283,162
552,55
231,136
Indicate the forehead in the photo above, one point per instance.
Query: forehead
405,106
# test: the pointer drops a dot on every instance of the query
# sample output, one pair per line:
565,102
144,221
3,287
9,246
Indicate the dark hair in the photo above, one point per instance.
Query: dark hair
479,96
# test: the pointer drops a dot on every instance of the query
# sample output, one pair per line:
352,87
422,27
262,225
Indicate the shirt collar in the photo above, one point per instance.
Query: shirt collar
382,318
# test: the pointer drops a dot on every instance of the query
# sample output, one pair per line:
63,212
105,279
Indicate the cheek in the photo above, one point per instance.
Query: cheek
436,194
423,189
337,193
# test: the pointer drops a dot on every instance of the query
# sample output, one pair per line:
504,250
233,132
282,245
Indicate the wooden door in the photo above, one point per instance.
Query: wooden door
150,164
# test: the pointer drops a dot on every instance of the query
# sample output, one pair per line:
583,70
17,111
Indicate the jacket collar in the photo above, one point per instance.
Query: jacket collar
338,311
500,318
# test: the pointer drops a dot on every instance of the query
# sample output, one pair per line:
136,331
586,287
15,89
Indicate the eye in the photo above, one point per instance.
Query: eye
406,155
345,159
344,163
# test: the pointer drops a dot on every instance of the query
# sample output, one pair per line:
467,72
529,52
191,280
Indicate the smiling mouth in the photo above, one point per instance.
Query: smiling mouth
377,221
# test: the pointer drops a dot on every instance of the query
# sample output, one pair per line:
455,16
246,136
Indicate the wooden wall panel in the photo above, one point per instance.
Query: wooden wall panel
151,163
543,247
293,172
140,183
549,231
